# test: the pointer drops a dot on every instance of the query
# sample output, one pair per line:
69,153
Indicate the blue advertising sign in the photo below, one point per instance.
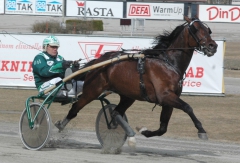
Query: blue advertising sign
34,7
11,5
41,6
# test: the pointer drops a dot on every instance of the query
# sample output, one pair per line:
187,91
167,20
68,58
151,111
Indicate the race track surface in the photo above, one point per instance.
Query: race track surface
81,146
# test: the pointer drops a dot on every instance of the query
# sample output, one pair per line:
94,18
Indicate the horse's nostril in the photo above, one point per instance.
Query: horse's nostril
212,46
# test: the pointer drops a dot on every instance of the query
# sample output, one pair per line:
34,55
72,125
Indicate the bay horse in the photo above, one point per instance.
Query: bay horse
160,74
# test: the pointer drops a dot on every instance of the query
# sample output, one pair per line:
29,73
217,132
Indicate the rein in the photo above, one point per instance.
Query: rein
126,50
192,30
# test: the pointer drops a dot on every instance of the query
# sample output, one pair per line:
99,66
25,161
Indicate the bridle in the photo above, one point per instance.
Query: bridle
192,30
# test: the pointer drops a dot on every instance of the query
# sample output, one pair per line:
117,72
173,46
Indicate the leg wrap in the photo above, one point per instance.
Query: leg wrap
65,122
61,124
119,119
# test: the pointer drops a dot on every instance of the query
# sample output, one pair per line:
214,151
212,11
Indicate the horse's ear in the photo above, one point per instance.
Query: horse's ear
187,19
196,16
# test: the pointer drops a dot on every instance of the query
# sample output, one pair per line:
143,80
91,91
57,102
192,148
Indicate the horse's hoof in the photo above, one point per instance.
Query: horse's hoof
141,129
203,136
59,125
132,142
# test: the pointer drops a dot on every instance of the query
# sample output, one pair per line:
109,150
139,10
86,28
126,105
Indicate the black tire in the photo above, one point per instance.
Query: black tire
37,137
115,137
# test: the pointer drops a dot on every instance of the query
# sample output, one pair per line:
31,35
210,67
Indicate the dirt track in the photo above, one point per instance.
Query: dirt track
81,146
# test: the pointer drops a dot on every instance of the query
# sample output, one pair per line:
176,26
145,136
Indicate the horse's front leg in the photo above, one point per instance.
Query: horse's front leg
164,119
173,100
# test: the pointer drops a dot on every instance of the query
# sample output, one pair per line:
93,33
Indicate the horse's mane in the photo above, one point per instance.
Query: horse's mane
164,40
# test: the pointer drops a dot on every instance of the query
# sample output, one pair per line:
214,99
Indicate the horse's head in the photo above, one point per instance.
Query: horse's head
201,35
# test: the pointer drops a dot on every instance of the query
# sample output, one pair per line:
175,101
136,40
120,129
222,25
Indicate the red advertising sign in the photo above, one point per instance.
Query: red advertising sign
155,10
139,10
219,13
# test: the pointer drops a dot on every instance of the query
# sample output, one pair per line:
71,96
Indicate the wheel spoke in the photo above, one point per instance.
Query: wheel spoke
37,137
114,137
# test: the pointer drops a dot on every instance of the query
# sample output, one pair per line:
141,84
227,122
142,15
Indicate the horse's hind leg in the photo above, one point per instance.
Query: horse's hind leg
76,107
164,119
87,96
123,104
119,111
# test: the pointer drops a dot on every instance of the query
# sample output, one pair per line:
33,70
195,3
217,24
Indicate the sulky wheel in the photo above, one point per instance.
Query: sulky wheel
113,136
35,138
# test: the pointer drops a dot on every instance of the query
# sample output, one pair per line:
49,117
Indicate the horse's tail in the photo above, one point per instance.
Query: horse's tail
83,75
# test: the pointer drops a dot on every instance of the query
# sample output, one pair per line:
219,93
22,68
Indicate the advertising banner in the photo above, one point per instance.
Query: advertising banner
219,13
204,74
155,10
34,7
1,6
100,9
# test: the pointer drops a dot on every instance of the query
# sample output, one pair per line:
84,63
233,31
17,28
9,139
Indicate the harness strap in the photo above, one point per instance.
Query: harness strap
141,71
166,60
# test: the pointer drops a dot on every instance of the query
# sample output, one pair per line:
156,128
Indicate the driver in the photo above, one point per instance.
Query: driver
49,68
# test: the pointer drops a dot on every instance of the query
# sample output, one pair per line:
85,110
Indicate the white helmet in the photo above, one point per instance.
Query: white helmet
50,40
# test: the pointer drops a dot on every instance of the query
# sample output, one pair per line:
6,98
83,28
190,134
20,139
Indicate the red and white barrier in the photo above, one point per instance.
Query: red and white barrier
204,75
